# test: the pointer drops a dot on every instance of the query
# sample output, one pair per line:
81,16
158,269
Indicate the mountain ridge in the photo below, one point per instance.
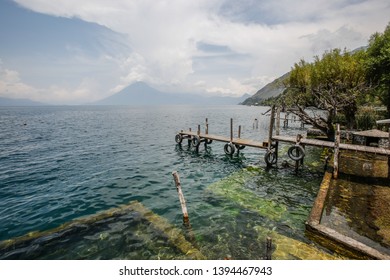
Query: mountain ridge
5,101
140,93
272,89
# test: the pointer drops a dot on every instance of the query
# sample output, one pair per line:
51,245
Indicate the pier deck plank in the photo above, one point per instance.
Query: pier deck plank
329,144
236,141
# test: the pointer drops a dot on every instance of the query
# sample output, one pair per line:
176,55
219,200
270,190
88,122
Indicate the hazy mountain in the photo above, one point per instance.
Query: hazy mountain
140,93
19,102
273,89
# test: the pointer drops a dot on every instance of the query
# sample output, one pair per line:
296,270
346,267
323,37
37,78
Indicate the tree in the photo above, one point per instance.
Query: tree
333,84
378,66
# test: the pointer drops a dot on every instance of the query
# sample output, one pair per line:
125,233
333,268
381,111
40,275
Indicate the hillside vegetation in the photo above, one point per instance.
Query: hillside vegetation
345,85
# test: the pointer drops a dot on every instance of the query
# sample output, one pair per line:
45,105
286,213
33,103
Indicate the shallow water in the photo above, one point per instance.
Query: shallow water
61,163
358,208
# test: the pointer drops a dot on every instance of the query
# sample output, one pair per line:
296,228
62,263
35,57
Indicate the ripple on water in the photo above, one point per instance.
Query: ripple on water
69,162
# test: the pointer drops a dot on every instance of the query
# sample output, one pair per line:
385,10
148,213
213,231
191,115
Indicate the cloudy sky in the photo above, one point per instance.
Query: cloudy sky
72,51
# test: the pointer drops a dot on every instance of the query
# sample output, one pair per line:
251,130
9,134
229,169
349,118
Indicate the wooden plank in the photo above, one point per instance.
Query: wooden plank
367,149
206,136
383,121
349,242
183,204
316,211
291,139
306,141
249,143
321,143
238,141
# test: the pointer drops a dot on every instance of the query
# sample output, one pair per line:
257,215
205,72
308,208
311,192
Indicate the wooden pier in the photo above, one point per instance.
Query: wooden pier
296,152
195,138
234,141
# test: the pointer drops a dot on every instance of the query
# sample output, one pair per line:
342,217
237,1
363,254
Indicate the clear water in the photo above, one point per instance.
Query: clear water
358,208
62,163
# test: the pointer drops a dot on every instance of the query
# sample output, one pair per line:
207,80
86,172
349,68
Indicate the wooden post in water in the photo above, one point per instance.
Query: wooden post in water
256,124
189,138
285,123
277,151
207,126
198,129
336,153
271,126
278,120
231,130
388,159
239,131
186,220
268,253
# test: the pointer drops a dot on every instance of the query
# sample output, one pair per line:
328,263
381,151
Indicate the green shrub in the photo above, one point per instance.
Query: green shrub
366,118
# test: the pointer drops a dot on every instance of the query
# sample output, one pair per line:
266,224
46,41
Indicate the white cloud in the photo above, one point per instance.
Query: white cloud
164,37
12,86
235,87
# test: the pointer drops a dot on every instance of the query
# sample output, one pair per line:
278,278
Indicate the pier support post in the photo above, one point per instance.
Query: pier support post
256,124
271,126
207,126
189,138
277,151
278,120
231,130
336,153
285,122
268,252
186,220
239,131
388,159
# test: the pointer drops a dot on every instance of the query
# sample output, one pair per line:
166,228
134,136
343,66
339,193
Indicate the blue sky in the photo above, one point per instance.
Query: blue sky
71,51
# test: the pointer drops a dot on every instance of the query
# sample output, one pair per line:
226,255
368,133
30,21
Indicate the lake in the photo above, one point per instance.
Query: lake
62,163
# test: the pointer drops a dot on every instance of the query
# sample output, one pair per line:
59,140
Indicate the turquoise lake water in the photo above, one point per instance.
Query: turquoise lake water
62,163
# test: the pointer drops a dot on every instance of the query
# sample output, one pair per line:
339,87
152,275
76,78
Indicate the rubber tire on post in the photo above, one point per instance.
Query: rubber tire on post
195,141
270,158
208,141
240,147
229,149
178,138
296,152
